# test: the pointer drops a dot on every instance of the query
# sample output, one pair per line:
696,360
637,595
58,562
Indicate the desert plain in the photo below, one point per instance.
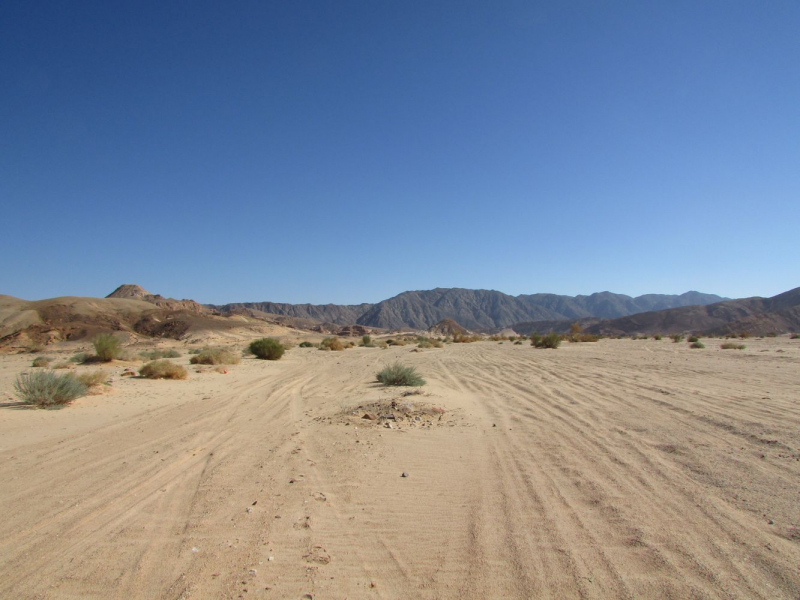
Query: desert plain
616,469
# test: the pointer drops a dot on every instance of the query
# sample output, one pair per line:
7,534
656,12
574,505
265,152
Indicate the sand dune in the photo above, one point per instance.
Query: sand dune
621,469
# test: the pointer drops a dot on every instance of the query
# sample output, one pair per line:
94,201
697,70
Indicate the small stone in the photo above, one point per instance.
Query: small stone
369,416
194,549
404,474
271,558
253,571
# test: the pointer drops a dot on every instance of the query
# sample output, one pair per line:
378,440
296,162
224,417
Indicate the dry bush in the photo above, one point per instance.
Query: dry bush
331,343
676,338
550,340
92,379
693,339
62,365
41,361
732,346
215,356
46,389
459,338
156,354
795,336
697,345
163,369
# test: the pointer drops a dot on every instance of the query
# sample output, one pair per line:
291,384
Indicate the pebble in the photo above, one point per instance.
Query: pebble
253,571
404,474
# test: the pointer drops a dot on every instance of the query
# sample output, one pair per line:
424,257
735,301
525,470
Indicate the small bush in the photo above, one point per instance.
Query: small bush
732,346
41,361
80,357
657,336
194,351
697,345
46,389
107,347
423,342
62,365
163,369
518,343
693,339
771,334
535,339
795,336
676,338
92,379
550,340
397,374
366,342
331,343
267,349
215,356
306,345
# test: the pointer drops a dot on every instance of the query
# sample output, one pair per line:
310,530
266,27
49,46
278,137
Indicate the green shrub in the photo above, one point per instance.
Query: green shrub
331,343
550,340
535,339
657,336
306,345
732,346
163,369
423,342
107,347
46,389
41,361
676,338
267,349
795,336
693,339
215,356
366,342
697,345
397,374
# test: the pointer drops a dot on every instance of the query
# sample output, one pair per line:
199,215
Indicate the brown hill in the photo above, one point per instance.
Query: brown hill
447,327
756,315
135,292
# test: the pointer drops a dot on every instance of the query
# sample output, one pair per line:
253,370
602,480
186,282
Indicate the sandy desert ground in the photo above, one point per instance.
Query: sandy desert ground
621,469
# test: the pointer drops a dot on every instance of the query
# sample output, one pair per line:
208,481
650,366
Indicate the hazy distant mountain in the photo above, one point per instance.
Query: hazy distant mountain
477,309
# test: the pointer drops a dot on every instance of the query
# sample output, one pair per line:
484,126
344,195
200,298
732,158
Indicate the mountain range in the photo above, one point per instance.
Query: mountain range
476,309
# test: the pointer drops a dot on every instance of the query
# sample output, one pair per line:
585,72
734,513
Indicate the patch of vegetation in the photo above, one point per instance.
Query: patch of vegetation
657,337
215,356
307,345
92,379
795,336
732,346
366,342
744,334
518,343
676,338
107,347
267,349
46,389
550,340
693,339
163,369
194,351
41,361
460,338
79,357
156,354
397,374
771,334
62,365
697,345
331,343
424,342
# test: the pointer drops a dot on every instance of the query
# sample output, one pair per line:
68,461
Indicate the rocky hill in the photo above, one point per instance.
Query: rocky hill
757,316
477,309
131,291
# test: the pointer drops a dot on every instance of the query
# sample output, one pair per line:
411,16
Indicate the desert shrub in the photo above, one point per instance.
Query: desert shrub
697,345
518,343
163,369
744,334
550,340
41,361
657,336
46,389
267,349
676,338
331,343
367,342
107,347
63,365
771,334
397,374
156,354
795,336
79,357
306,345
215,356
693,339
459,338
423,342
397,342
535,338
732,346
92,379
194,351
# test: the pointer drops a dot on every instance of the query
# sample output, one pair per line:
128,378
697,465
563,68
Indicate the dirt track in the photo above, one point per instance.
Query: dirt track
622,469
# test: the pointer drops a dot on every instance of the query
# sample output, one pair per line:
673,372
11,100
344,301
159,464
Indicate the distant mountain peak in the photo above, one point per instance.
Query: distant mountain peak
130,290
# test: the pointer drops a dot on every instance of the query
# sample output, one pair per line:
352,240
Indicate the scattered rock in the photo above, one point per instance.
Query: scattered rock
369,416
404,474
253,571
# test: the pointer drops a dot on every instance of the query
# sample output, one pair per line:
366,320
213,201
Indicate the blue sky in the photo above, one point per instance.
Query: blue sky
348,151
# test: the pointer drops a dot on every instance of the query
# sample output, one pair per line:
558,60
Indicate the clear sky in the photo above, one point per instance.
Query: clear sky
344,152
